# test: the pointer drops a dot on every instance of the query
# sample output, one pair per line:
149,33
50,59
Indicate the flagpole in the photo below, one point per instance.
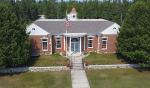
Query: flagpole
66,34
66,41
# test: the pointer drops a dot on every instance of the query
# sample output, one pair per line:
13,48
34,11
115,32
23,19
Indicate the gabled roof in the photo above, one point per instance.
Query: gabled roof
90,26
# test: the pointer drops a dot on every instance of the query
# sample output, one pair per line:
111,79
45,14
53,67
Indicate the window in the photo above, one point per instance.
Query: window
114,28
58,42
104,43
44,44
90,42
33,28
74,16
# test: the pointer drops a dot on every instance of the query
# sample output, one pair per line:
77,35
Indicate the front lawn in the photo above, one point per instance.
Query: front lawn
118,78
48,60
95,58
37,80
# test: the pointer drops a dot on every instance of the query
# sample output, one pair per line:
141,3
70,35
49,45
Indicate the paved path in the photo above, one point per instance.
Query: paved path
78,75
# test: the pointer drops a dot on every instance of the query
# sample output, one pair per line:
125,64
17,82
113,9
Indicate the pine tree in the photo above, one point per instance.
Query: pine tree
134,37
14,45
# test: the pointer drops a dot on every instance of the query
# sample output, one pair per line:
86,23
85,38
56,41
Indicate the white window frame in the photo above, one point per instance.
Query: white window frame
102,42
60,42
90,40
43,42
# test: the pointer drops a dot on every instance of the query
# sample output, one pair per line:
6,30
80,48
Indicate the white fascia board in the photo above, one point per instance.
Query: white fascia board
38,30
74,34
113,29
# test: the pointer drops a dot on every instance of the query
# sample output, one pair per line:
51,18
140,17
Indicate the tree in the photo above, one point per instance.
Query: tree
51,9
14,45
134,36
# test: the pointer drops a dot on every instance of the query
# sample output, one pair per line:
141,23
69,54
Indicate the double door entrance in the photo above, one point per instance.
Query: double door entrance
75,44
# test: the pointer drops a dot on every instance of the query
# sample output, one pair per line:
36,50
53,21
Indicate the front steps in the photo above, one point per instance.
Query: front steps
78,74
77,63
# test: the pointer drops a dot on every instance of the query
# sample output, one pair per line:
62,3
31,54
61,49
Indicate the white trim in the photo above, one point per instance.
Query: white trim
90,36
106,43
84,42
37,30
72,20
74,34
111,30
80,44
44,37
64,42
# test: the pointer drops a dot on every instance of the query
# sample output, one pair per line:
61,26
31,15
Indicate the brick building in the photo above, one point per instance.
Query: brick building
73,36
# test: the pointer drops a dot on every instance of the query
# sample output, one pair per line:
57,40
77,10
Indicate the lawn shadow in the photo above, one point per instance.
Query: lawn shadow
142,69
11,74
32,60
127,61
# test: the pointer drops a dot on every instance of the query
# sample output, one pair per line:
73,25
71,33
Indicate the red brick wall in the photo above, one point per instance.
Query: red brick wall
61,50
94,48
36,45
111,44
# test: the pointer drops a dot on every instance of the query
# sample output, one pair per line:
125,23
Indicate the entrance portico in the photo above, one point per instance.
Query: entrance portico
73,42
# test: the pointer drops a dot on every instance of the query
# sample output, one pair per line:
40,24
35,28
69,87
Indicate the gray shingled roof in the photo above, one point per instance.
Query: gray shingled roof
90,27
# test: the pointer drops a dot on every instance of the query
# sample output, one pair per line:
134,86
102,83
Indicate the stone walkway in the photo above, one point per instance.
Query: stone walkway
78,75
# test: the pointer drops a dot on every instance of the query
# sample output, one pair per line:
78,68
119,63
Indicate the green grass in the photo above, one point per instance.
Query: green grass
37,80
95,58
118,78
49,60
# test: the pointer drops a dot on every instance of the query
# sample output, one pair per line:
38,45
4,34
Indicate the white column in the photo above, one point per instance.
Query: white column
64,42
84,42
70,45
80,44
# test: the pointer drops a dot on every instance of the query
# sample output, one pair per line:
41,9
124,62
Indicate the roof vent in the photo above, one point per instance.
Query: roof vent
33,28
